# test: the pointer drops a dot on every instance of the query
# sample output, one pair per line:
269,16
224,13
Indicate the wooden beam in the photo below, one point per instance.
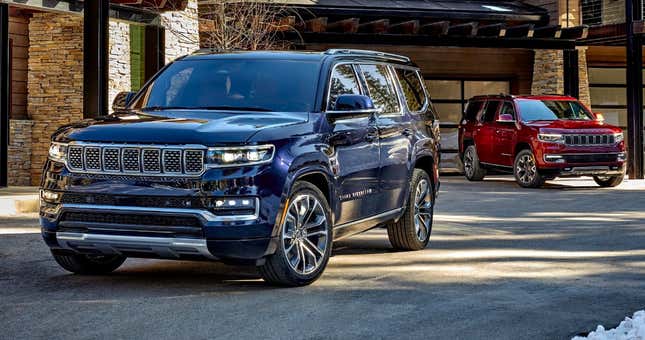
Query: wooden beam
439,28
574,33
520,31
316,25
377,26
406,27
468,29
344,26
494,30
551,31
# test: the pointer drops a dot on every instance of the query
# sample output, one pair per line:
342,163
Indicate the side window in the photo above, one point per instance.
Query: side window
410,82
508,109
490,111
472,110
343,81
381,88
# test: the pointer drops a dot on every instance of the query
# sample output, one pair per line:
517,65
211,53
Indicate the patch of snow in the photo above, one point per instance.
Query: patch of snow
630,329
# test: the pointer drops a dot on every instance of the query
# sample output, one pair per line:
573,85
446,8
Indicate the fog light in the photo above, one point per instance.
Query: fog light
554,158
50,196
622,157
234,204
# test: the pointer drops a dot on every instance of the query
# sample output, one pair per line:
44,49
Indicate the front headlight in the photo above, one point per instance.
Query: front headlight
619,137
58,152
239,156
551,137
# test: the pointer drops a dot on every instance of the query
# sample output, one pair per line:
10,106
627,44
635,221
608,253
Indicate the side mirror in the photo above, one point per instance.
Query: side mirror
122,100
600,117
506,118
350,105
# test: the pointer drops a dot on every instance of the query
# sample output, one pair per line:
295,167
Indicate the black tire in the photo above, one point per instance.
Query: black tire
610,181
404,234
525,170
89,264
473,169
278,268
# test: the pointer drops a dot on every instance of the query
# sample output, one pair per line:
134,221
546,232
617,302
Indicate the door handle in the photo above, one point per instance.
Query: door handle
372,135
407,132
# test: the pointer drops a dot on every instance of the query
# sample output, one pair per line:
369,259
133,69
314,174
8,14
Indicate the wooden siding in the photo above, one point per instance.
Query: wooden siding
515,65
19,35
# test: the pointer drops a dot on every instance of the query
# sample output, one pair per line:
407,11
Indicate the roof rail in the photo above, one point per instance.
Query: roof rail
368,53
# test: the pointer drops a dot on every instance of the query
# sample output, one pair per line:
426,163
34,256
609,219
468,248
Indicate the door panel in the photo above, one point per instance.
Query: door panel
395,132
356,158
484,133
505,137
356,146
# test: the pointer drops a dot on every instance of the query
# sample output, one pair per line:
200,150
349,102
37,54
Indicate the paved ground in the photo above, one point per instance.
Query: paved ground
504,263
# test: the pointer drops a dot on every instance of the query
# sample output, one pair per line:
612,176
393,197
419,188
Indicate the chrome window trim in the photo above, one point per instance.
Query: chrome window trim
204,214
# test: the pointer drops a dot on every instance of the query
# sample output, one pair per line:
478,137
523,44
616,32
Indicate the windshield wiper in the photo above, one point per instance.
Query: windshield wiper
234,108
162,108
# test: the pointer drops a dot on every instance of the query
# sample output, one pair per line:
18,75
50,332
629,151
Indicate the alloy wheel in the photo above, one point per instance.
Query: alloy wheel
468,163
526,169
423,210
304,234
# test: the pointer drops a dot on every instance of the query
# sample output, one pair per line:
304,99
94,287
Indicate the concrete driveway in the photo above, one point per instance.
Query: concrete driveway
504,263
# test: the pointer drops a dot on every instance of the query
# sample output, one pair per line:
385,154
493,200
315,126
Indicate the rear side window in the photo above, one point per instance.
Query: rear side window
381,88
343,81
412,88
490,111
473,109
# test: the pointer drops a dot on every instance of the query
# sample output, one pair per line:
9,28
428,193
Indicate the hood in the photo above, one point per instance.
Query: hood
178,127
574,126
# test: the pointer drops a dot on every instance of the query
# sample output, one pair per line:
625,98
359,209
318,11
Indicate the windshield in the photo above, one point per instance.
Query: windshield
243,85
552,110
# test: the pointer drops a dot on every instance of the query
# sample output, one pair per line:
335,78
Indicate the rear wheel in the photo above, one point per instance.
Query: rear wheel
89,264
609,181
472,167
526,171
305,239
412,230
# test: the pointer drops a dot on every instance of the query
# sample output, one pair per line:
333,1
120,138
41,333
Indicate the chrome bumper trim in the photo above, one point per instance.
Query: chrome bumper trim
204,214
593,170
116,244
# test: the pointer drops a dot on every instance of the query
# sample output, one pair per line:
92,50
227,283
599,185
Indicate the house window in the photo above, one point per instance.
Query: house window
608,89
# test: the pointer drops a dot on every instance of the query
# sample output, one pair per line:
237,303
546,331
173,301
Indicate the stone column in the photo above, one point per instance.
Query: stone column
119,59
548,72
20,152
182,31
55,80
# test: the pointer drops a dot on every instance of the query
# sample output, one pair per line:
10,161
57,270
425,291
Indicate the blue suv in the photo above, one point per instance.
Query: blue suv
262,158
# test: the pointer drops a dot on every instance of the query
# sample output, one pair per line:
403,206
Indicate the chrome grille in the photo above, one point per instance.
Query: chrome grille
589,139
136,159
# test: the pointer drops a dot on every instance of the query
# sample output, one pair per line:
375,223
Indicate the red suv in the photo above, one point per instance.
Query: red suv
539,138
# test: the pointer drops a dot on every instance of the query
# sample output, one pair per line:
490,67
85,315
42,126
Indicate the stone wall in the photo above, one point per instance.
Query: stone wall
613,12
119,59
19,164
182,31
55,81
548,74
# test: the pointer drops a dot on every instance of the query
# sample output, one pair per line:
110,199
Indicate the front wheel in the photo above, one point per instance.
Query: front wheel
526,171
412,230
609,181
305,240
89,264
